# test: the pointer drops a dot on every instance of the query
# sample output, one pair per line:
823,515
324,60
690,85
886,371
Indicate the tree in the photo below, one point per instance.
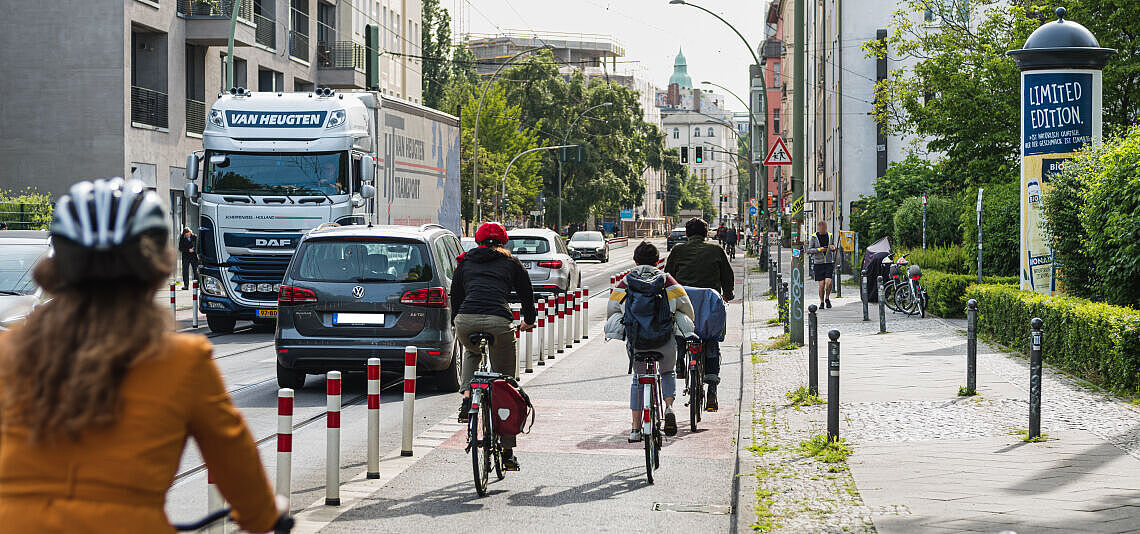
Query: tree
873,217
1116,24
436,45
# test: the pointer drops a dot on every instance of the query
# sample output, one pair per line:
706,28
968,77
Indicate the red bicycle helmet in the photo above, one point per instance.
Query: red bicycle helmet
491,232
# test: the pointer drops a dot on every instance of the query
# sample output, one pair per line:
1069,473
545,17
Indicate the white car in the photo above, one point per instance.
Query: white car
468,243
589,245
546,258
20,251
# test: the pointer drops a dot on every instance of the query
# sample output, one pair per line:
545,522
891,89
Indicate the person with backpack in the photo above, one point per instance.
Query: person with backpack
648,308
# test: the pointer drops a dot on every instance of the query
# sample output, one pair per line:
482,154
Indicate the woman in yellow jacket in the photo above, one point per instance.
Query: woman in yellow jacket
98,396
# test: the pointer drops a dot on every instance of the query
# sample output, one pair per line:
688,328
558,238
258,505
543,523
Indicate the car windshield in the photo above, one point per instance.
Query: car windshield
16,263
276,173
359,260
677,233
586,236
528,245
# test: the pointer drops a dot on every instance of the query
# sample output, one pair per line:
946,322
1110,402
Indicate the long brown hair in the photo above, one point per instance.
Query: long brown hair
65,364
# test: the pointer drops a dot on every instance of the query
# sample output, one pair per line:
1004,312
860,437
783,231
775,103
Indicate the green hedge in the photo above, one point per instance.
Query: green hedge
947,292
1094,341
951,259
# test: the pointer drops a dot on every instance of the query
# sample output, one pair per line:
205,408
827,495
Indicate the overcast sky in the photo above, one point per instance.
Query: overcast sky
650,30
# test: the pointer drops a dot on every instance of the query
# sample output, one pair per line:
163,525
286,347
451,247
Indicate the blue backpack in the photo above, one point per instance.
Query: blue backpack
648,320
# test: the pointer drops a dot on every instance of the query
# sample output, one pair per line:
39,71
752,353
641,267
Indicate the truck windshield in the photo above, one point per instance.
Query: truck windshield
276,173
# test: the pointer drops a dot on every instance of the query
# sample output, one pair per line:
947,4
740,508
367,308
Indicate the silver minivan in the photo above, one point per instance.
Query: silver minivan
544,255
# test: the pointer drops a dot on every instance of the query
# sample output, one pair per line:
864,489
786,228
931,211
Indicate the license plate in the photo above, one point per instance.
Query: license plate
359,318
267,313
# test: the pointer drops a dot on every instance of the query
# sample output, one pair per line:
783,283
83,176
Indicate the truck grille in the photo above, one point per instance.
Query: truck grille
259,270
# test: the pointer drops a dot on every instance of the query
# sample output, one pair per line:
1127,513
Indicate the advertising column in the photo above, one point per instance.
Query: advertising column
1060,113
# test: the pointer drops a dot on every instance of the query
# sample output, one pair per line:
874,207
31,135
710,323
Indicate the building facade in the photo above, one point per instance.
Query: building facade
106,103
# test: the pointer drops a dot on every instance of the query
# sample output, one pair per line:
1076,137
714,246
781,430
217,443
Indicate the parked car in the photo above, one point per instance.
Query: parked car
468,243
676,236
544,254
589,245
352,293
20,251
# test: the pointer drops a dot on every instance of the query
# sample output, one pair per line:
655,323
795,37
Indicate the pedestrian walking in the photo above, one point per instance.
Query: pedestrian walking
188,246
822,250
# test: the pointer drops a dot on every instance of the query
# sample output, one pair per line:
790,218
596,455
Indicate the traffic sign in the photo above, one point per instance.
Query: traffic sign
752,210
752,201
924,199
626,215
779,154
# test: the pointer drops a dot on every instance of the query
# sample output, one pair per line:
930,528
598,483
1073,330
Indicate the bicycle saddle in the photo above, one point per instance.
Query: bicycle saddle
648,356
478,337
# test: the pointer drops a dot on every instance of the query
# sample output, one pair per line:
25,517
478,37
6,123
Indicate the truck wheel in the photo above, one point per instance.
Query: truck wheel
220,324
290,378
448,380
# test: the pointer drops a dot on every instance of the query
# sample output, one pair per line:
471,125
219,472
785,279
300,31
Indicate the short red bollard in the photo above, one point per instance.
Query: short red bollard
373,418
284,441
409,399
332,440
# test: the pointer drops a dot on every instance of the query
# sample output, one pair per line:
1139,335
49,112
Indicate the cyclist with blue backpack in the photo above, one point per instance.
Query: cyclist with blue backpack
648,308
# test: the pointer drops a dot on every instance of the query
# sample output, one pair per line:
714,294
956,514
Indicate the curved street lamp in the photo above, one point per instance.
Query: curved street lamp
475,174
503,193
565,139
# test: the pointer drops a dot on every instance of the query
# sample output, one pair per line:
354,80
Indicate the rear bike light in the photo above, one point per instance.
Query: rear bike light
550,264
290,295
432,297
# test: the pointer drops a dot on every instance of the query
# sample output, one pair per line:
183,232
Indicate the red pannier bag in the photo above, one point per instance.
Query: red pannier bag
510,406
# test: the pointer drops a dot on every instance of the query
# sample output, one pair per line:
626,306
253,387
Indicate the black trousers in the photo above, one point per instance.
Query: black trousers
188,261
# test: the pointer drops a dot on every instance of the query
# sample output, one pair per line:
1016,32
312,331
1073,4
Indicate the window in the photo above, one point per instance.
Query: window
928,14
711,132
776,74
445,257
394,260
240,69
676,133
270,80
776,120
528,245
696,132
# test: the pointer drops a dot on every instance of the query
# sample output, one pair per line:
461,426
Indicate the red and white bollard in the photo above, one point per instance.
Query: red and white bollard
194,295
551,326
570,319
173,308
585,313
516,314
528,348
560,344
373,418
332,440
214,501
410,352
577,315
284,441
540,331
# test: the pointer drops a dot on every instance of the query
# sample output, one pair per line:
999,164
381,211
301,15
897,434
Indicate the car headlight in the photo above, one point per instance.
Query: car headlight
212,286
336,118
217,119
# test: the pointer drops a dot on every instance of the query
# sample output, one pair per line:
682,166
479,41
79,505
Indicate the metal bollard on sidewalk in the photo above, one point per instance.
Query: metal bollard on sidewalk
373,418
586,313
784,308
571,320
882,307
971,347
771,276
332,439
833,386
863,292
561,320
540,318
173,307
551,327
194,295
284,441
1035,378
813,351
528,348
410,352
578,315
516,313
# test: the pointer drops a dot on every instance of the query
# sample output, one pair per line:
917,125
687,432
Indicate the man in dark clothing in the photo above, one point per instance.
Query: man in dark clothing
696,263
484,279
730,239
187,245
720,231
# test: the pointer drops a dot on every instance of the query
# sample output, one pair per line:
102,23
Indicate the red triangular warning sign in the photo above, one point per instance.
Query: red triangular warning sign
779,154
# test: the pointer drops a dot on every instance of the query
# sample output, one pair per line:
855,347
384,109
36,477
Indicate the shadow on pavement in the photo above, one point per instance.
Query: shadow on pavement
611,486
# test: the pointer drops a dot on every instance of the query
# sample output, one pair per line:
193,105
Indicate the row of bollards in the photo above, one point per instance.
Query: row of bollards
1035,366
832,371
194,295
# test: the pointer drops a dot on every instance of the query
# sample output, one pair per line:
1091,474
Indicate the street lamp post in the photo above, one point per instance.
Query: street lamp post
475,172
503,194
566,138
752,122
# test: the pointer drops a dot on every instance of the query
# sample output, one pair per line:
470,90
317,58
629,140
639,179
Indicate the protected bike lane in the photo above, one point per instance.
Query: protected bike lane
579,473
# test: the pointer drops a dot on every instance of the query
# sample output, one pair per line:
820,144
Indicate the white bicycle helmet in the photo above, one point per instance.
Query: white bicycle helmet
107,213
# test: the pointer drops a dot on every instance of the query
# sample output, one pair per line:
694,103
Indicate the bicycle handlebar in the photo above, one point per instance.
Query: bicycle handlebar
284,523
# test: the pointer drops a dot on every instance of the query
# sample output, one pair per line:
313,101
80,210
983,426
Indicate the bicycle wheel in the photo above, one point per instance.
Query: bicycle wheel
658,440
905,299
650,456
475,444
696,399
490,455
498,453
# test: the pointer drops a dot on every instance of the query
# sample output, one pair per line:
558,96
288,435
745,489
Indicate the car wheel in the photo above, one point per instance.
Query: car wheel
220,324
290,378
448,380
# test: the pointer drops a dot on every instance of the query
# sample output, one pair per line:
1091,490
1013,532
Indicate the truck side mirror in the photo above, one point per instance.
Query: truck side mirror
367,191
192,167
191,192
367,170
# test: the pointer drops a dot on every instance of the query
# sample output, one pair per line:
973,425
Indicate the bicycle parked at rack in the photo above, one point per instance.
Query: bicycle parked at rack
652,434
483,442
902,291
284,524
694,381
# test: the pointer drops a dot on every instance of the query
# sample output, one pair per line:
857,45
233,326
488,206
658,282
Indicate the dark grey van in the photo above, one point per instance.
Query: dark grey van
357,292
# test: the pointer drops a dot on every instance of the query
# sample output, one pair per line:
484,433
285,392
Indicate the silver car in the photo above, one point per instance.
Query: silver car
589,245
20,251
546,259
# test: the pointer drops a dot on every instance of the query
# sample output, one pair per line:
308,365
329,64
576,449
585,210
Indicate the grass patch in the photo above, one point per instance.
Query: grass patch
825,450
1024,433
967,392
761,450
801,397
773,321
783,342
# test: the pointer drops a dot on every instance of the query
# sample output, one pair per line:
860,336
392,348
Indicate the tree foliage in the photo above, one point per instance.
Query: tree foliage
873,217
441,63
1116,24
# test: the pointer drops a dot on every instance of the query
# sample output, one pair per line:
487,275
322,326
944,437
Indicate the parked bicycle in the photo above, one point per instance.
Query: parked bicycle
694,382
902,291
652,434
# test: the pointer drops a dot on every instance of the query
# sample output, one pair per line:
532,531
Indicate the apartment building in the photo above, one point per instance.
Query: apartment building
121,88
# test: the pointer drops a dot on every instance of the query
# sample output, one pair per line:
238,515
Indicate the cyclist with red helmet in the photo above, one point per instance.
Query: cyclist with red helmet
482,283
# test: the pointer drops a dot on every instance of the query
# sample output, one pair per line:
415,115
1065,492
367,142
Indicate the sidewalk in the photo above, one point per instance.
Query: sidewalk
925,459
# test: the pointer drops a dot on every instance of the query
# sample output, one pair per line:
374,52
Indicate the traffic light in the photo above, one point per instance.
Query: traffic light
684,154
700,154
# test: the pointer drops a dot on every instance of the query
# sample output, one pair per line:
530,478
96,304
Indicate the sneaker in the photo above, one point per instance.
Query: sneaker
510,461
465,410
828,303
822,304
710,402
670,423
634,435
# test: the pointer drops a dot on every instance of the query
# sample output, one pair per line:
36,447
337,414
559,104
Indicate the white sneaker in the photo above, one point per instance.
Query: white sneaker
634,436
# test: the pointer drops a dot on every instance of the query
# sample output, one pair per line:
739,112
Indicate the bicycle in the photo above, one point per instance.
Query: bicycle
480,430
694,382
284,524
651,402
910,297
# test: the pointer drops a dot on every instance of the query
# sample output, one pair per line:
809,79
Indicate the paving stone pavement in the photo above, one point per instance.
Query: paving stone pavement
927,460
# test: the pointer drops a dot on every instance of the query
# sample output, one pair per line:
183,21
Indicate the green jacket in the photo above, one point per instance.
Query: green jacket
696,263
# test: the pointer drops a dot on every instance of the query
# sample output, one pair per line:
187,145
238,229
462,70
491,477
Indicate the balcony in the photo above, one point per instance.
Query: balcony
266,31
340,64
149,107
299,46
208,22
195,116
772,48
